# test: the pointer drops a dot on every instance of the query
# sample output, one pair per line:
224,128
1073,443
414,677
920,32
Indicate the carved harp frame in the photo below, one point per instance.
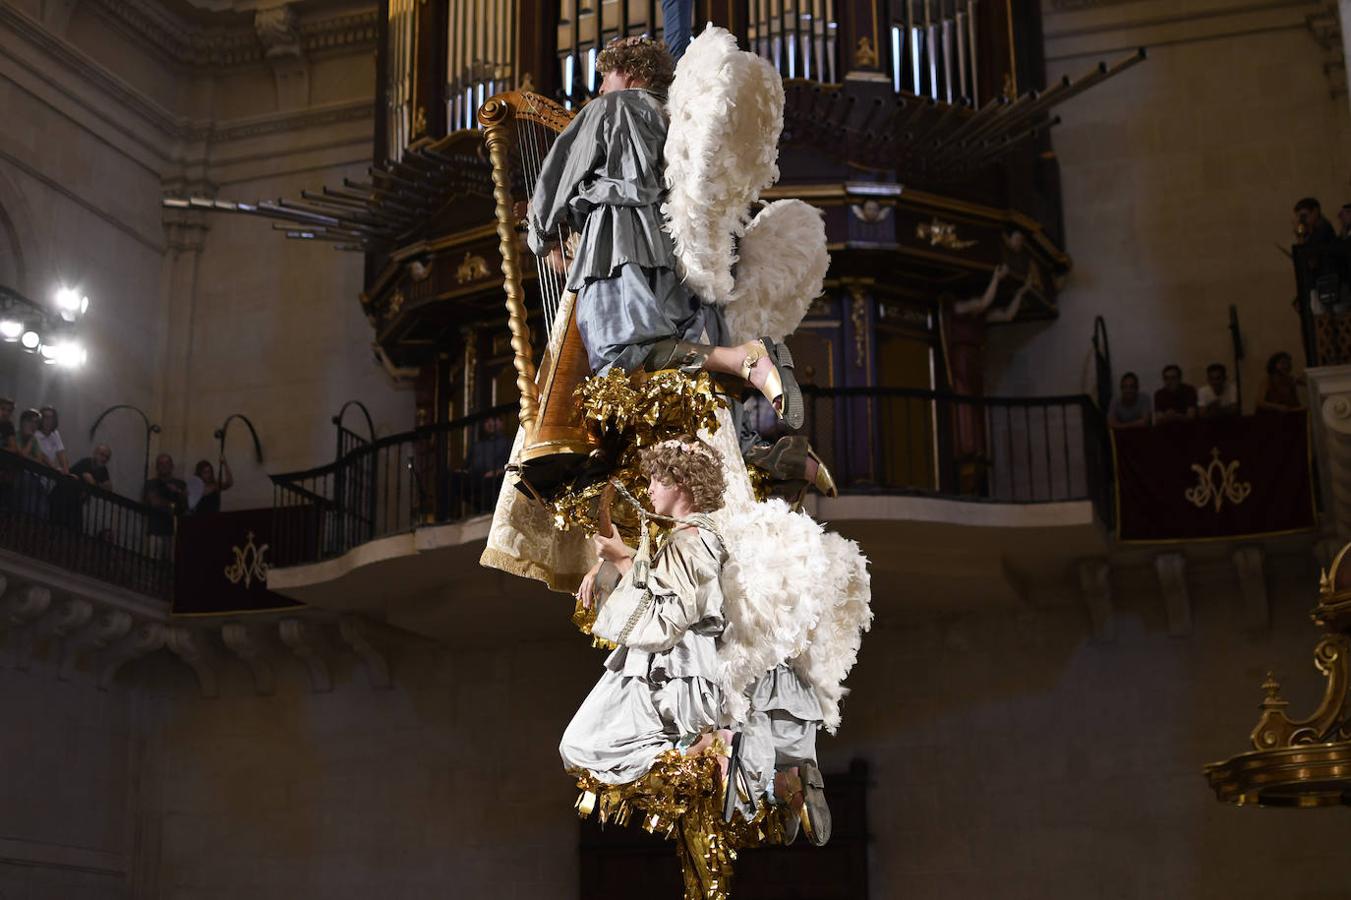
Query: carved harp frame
548,435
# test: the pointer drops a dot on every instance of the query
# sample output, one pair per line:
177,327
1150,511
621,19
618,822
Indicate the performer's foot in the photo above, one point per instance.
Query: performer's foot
804,791
768,367
815,813
720,742
819,477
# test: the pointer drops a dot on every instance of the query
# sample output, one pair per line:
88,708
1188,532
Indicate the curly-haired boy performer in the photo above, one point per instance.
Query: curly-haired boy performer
660,686
603,179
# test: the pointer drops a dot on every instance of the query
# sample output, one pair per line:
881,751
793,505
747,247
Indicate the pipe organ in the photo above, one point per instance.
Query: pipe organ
903,123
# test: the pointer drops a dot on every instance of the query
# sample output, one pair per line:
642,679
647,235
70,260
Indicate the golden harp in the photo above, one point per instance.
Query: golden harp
518,129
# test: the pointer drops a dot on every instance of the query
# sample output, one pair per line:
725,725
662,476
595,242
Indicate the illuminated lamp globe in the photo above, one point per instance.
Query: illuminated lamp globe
69,355
30,340
10,330
70,303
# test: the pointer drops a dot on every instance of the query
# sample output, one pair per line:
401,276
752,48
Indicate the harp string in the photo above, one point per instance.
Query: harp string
552,283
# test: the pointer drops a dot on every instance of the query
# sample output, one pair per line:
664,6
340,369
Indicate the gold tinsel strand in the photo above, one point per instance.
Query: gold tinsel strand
679,799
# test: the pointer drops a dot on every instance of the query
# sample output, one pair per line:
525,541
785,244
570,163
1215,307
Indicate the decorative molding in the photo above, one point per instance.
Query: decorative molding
23,608
66,617
356,632
309,646
275,32
1172,572
192,647
147,637
251,648
106,628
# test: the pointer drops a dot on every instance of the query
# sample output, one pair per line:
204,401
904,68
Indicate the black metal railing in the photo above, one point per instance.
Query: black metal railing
1323,298
876,441
1000,449
65,521
434,474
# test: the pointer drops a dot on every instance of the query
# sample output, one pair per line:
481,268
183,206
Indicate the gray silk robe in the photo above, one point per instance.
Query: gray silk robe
660,686
602,179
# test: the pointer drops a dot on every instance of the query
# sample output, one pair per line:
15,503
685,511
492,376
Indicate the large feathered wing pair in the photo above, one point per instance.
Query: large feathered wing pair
796,593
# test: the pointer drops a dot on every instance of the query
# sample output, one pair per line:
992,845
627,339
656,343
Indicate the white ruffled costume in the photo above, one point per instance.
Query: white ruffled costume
793,599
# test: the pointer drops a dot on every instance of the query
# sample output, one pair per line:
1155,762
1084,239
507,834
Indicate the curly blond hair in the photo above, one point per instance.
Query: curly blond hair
641,58
690,463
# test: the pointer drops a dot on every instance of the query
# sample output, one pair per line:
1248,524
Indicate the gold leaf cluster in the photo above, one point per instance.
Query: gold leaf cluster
633,412
680,798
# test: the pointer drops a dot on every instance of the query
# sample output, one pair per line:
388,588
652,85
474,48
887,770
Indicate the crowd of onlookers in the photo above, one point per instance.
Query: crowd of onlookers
36,436
1177,401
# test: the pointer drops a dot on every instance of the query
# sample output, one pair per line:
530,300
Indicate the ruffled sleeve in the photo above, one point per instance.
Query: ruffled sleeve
682,594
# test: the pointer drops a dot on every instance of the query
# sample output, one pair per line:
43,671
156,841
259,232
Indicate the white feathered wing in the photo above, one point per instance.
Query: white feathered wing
782,269
794,593
722,150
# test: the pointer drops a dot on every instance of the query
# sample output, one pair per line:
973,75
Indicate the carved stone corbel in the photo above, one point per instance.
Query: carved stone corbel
309,646
146,637
1095,587
356,632
191,646
252,649
1252,586
1172,572
64,618
103,630
23,608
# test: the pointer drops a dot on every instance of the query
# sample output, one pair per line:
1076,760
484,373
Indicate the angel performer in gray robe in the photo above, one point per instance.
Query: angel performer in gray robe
660,688
602,179
778,751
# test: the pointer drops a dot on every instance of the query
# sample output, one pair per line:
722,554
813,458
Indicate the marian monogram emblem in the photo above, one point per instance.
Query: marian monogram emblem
1216,483
250,563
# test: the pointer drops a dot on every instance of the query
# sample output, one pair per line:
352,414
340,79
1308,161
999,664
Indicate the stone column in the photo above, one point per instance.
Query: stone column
1330,409
184,237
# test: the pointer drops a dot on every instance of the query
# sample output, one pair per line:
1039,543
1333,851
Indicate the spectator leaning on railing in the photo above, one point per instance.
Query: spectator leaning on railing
204,490
1218,396
168,497
93,469
1176,400
1130,408
49,438
1281,393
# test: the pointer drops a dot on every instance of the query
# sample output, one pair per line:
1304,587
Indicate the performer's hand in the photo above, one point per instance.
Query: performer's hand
557,261
1001,271
587,592
610,548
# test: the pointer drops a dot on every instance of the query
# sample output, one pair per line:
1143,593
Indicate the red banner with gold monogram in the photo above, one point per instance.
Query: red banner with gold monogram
221,562
1232,477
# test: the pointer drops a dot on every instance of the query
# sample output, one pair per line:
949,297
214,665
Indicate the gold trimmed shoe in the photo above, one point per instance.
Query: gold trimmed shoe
824,482
780,387
815,813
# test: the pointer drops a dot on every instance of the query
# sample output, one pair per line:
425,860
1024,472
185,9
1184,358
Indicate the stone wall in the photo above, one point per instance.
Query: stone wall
1011,756
192,317
1179,177
68,799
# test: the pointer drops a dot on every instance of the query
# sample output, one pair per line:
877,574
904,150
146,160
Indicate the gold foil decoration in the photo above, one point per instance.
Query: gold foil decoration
680,799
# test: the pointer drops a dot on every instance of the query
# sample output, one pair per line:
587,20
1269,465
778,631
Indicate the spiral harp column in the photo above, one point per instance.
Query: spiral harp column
558,444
